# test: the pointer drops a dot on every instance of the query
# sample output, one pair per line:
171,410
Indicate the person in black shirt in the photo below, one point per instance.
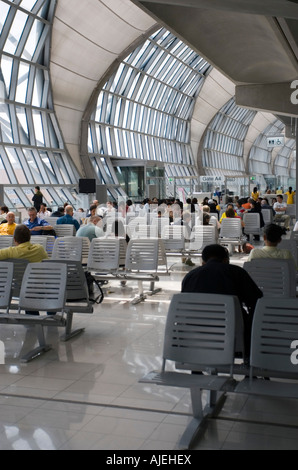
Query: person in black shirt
218,276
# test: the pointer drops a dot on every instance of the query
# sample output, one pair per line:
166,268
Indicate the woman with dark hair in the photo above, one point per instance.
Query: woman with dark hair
37,198
290,193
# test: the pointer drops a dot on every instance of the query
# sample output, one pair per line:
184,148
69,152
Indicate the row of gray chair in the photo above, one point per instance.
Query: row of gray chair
200,335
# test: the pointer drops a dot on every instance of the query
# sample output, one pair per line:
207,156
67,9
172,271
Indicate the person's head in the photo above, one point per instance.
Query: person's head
10,218
264,202
37,188
21,234
279,198
32,213
217,252
95,202
255,189
230,212
290,189
69,210
272,234
95,219
43,207
92,209
4,210
206,209
206,218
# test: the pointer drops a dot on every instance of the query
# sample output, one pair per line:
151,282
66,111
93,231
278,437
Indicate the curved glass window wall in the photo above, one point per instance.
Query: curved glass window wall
31,146
143,111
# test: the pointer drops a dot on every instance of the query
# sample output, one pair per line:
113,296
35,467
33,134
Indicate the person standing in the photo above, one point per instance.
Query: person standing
37,198
290,193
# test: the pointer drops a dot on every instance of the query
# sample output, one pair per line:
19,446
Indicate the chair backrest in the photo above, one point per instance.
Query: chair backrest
173,237
230,228
6,280
275,277
76,284
252,222
201,236
68,248
104,255
64,230
291,245
200,329
145,231
267,216
85,249
44,287
142,255
19,267
40,240
51,220
275,327
6,241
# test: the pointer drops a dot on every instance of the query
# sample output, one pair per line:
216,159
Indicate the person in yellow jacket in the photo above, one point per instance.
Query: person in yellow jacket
8,227
290,193
255,193
23,248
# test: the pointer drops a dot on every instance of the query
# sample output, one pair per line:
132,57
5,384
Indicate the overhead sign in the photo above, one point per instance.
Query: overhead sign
277,141
211,179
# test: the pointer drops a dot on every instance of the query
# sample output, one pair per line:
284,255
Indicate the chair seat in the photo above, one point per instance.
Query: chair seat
185,380
271,388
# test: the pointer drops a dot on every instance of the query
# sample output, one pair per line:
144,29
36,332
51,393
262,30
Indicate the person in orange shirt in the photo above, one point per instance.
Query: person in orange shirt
8,228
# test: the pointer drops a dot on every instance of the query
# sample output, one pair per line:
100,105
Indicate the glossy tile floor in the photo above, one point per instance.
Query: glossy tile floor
84,394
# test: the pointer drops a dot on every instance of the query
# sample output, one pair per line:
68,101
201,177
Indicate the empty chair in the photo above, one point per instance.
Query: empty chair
77,296
104,255
142,255
6,279
201,236
64,230
267,216
273,349
173,237
252,224
68,248
141,264
230,232
275,277
6,241
200,333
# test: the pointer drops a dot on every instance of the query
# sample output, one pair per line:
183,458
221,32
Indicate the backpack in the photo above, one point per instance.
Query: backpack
91,283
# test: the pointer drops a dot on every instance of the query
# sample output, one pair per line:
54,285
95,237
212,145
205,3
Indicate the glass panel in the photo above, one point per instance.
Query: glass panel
15,33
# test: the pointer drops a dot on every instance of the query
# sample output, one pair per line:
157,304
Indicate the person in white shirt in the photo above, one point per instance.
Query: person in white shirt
272,237
43,212
280,208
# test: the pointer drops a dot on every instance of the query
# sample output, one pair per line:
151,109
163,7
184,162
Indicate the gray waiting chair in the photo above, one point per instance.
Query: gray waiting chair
200,332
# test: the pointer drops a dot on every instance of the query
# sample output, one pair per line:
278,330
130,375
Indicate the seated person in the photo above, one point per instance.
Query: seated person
35,224
68,218
272,237
280,208
218,276
92,229
23,248
8,228
43,212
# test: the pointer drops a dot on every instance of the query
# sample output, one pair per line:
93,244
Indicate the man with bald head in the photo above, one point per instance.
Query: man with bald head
8,228
68,218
